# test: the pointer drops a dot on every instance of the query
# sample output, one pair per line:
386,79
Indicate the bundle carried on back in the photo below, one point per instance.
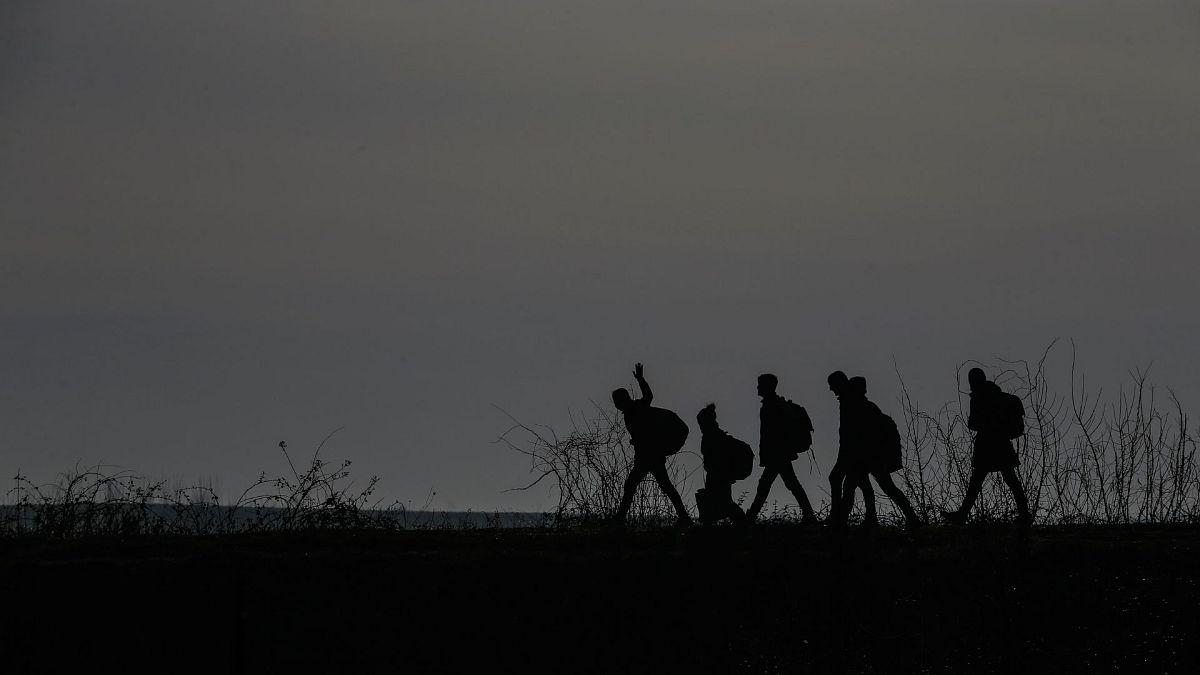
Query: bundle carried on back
663,432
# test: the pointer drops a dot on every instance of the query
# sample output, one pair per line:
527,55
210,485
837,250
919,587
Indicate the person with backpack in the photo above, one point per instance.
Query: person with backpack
785,431
876,446
656,433
726,461
997,418
850,459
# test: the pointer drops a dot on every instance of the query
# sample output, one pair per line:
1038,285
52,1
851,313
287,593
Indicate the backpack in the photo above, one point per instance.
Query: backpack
1011,415
668,433
887,444
799,427
741,459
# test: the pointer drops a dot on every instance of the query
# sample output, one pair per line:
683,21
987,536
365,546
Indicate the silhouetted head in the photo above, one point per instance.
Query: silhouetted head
707,417
621,399
857,386
837,382
976,377
767,384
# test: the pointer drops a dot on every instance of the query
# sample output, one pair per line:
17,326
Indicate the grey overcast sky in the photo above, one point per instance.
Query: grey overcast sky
223,224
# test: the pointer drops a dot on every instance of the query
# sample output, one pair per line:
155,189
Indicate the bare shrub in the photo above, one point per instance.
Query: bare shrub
1130,459
586,469
106,501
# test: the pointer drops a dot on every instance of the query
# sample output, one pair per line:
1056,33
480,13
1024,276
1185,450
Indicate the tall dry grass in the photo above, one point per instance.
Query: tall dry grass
1086,458
107,501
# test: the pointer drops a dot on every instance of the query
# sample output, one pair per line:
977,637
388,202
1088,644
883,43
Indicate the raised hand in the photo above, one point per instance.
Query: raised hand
637,371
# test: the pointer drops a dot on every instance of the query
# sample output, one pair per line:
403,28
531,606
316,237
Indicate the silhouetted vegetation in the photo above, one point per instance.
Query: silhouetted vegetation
1084,458
103,501
586,468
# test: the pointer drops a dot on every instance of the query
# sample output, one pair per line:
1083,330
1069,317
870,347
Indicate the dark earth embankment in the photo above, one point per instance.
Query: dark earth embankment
776,599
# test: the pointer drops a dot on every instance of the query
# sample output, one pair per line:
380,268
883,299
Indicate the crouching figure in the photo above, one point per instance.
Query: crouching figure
726,461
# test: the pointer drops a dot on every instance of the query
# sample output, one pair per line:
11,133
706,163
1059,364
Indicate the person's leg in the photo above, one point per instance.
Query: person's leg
764,488
659,471
849,485
788,473
1014,484
704,510
716,492
843,499
636,475
898,497
836,475
973,488
870,516
722,500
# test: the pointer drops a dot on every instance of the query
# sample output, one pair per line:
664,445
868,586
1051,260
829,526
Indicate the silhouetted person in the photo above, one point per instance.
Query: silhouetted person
870,445
851,459
656,433
726,461
996,418
883,453
784,432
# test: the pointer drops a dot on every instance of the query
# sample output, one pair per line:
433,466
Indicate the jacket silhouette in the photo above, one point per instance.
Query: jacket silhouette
993,449
655,433
725,458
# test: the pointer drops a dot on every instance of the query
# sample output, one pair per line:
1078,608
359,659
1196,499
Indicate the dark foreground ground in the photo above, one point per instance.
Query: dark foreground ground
783,599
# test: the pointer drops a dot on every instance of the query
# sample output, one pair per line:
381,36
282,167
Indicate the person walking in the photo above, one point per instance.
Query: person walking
656,433
881,454
785,431
851,459
997,418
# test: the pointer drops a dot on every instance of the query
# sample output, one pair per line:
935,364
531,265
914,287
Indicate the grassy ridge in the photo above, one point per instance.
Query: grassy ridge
1077,599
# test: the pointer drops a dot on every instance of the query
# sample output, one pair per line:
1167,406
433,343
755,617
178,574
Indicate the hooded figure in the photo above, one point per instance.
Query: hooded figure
995,417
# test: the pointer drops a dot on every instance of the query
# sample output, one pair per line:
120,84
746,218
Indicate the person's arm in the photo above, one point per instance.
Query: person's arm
972,418
647,395
763,414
